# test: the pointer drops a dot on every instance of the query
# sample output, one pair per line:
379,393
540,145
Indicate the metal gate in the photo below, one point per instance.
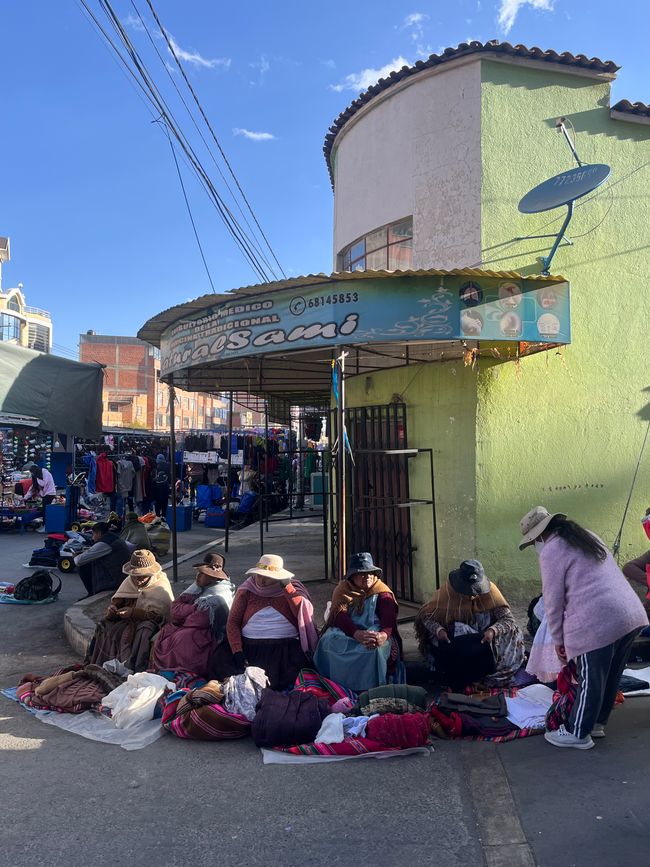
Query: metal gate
377,489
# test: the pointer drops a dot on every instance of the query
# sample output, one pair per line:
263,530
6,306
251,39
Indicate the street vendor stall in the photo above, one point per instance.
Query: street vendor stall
44,401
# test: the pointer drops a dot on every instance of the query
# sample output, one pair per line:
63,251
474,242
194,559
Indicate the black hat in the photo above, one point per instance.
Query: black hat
470,579
361,563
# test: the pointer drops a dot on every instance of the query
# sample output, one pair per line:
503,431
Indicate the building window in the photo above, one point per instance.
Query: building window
113,407
9,327
38,337
387,249
13,304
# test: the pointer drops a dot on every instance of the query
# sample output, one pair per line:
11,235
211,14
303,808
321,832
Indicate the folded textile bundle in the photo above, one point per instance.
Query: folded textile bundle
400,730
74,689
191,715
393,698
529,707
283,720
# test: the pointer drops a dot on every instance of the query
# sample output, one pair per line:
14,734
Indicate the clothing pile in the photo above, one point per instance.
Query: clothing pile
396,722
216,711
498,715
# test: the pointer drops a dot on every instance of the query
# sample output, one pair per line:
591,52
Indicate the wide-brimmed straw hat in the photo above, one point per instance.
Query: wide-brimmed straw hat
142,563
533,525
212,566
362,563
271,566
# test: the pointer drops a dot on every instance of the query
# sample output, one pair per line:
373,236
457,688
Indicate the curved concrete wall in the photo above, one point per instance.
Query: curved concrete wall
416,151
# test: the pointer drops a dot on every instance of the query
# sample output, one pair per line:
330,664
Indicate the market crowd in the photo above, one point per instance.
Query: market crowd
259,646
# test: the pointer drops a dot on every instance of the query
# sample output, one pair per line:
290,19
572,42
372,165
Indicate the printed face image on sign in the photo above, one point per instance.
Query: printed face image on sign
548,325
471,323
510,325
547,298
509,296
471,294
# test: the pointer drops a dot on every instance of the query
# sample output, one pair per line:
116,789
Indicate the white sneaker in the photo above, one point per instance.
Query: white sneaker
40,530
563,738
598,731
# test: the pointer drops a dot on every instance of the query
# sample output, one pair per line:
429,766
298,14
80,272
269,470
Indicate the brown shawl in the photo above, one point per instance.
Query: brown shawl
347,596
448,606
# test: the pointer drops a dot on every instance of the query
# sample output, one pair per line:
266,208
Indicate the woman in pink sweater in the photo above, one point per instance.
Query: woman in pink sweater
593,616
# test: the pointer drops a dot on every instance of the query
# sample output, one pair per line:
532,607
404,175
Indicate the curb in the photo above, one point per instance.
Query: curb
79,628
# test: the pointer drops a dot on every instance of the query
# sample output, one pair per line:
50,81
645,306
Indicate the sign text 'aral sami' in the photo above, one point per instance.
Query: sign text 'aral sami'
398,309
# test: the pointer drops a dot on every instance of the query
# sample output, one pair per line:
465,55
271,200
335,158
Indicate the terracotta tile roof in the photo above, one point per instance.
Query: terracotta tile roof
465,49
638,108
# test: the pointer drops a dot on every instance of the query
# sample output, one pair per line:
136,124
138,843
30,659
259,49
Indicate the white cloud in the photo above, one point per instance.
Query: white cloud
133,22
367,77
415,19
509,9
195,59
263,65
253,136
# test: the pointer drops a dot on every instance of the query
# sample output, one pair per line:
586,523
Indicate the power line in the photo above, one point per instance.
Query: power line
212,132
189,210
202,137
153,95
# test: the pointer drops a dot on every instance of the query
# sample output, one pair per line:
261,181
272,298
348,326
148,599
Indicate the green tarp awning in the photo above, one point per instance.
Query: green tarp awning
64,396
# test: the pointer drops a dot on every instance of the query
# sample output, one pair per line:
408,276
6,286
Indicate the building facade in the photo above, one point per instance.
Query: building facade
435,160
25,326
133,395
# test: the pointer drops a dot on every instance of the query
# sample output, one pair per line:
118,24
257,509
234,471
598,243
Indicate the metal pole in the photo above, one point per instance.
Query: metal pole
435,521
266,465
172,469
228,492
340,459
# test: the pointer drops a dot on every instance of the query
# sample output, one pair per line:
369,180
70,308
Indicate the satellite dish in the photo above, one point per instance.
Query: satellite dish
564,188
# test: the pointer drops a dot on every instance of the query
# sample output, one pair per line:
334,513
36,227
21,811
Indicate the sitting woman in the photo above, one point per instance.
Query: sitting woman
467,632
361,647
271,623
135,533
195,639
139,607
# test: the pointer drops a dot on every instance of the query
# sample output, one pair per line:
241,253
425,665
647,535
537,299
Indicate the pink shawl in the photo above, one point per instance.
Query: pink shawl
306,628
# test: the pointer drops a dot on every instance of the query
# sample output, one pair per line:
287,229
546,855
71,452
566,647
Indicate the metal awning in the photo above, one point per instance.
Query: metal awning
278,339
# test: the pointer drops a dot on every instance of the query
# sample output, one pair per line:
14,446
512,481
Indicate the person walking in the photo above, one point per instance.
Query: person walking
161,486
593,616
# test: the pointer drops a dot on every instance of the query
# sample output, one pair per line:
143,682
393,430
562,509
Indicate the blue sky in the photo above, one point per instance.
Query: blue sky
90,197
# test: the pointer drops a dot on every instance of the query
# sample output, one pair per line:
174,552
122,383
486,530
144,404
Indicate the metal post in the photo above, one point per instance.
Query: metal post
266,465
172,473
228,491
435,521
340,465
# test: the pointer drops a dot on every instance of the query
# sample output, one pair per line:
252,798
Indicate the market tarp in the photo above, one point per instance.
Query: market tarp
64,396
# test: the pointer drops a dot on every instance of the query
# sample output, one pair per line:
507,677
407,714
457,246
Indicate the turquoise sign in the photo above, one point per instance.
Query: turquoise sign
398,309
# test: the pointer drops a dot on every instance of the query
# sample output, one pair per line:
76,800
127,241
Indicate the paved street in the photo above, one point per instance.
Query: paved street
69,801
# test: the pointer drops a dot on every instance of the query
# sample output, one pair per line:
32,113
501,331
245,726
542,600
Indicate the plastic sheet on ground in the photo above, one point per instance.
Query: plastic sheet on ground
96,727
272,757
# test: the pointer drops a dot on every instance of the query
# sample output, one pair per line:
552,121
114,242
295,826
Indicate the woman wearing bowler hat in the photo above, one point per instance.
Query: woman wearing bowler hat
361,647
467,631
195,639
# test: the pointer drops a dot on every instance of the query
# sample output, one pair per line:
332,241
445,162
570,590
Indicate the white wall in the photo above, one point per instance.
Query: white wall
416,151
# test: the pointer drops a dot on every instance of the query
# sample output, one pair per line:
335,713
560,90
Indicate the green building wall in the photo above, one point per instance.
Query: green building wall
562,429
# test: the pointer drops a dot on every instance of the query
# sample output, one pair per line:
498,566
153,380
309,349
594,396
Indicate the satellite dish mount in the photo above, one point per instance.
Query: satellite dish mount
561,190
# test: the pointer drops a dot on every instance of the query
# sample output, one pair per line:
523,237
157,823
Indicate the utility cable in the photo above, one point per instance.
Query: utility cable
212,132
189,209
161,108
616,548
202,137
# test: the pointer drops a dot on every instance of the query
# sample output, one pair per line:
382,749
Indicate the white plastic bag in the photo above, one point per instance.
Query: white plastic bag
135,700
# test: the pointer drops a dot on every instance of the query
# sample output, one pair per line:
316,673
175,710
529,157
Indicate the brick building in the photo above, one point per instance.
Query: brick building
134,397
